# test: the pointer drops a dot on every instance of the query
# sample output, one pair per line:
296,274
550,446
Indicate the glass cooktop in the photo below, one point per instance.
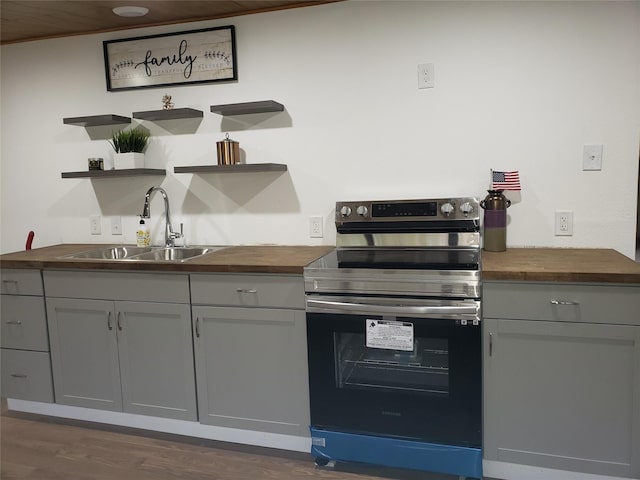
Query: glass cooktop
402,259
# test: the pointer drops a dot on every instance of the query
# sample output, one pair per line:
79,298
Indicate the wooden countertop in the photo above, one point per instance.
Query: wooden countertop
560,265
249,259
519,264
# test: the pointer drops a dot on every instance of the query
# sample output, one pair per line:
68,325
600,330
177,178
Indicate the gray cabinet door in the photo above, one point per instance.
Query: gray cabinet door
156,359
251,366
563,395
84,353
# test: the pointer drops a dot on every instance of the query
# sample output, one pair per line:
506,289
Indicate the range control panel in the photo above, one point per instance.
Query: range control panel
439,209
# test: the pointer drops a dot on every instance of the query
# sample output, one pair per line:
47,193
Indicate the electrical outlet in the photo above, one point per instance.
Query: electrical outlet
95,226
116,226
564,223
315,227
426,75
592,157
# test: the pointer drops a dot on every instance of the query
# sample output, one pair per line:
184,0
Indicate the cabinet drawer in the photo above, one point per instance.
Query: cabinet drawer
23,323
26,375
607,304
16,281
283,291
133,286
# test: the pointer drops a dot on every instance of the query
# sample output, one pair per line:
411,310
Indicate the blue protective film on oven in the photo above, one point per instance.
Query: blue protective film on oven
398,453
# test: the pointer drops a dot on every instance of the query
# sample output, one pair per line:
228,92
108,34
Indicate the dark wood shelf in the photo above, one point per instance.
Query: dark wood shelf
127,172
250,167
172,114
96,120
264,106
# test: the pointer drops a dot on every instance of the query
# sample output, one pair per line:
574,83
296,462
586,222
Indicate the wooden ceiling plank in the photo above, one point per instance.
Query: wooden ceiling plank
26,20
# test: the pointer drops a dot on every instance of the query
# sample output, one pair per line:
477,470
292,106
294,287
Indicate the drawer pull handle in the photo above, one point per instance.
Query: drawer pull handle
14,322
197,327
18,375
563,302
119,322
491,344
246,290
10,281
109,324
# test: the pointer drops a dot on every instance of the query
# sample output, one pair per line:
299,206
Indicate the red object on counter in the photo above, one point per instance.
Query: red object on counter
29,240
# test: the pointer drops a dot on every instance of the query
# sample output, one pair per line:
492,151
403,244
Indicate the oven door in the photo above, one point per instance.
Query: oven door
404,368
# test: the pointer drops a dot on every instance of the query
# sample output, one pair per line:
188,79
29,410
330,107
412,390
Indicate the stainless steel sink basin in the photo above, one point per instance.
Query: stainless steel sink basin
111,253
149,254
176,254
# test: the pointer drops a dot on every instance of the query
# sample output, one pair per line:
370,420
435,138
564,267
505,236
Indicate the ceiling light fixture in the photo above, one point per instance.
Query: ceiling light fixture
131,11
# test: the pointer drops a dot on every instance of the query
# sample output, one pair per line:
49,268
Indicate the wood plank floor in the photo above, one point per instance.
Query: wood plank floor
35,447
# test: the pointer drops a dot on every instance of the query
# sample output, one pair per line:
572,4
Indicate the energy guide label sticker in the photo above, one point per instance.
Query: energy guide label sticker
389,335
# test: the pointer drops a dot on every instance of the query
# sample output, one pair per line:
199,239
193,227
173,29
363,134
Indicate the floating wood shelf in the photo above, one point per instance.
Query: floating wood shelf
96,120
264,106
251,167
172,114
127,172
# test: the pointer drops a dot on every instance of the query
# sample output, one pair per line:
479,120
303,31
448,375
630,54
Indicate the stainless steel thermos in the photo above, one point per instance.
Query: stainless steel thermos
495,207
228,151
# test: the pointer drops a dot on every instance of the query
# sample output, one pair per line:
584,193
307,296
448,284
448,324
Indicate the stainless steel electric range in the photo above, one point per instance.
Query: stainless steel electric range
394,337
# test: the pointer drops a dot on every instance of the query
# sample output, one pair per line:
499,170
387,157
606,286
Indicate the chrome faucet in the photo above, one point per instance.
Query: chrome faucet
169,235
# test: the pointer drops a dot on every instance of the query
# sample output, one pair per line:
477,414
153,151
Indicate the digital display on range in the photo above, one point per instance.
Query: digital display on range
420,209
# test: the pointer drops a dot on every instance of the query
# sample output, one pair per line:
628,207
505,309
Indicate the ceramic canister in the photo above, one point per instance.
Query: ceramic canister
495,207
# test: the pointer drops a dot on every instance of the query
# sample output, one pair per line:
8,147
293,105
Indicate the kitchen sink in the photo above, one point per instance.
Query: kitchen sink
153,254
111,253
175,254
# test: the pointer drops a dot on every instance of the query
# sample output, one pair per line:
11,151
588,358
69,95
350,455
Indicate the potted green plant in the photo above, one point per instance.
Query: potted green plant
129,146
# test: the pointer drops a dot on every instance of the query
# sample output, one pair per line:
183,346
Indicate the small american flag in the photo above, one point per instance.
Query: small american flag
505,180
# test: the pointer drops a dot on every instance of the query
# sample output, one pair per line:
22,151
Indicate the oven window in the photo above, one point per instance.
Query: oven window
425,370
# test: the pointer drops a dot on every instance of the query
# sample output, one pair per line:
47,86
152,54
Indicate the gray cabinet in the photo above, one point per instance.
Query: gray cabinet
251,356
155,350
26,366
122,355
84,353
562,376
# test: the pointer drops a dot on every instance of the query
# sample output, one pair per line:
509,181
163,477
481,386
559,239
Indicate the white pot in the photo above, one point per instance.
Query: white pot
128,160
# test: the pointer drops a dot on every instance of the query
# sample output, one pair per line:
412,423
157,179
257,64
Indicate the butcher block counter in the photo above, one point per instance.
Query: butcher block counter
250,259
519,264
591,265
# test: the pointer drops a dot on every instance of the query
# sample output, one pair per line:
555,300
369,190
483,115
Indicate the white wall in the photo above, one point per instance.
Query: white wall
519,85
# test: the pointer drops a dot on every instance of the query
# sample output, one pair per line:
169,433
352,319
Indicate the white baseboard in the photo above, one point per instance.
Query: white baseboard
166,425
512,471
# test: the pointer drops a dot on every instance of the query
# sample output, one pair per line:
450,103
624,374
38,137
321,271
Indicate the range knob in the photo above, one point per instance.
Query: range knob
466,208
345,211
447,209
362,211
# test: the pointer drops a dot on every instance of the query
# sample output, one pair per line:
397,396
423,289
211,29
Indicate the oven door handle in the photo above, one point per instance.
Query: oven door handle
399,310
